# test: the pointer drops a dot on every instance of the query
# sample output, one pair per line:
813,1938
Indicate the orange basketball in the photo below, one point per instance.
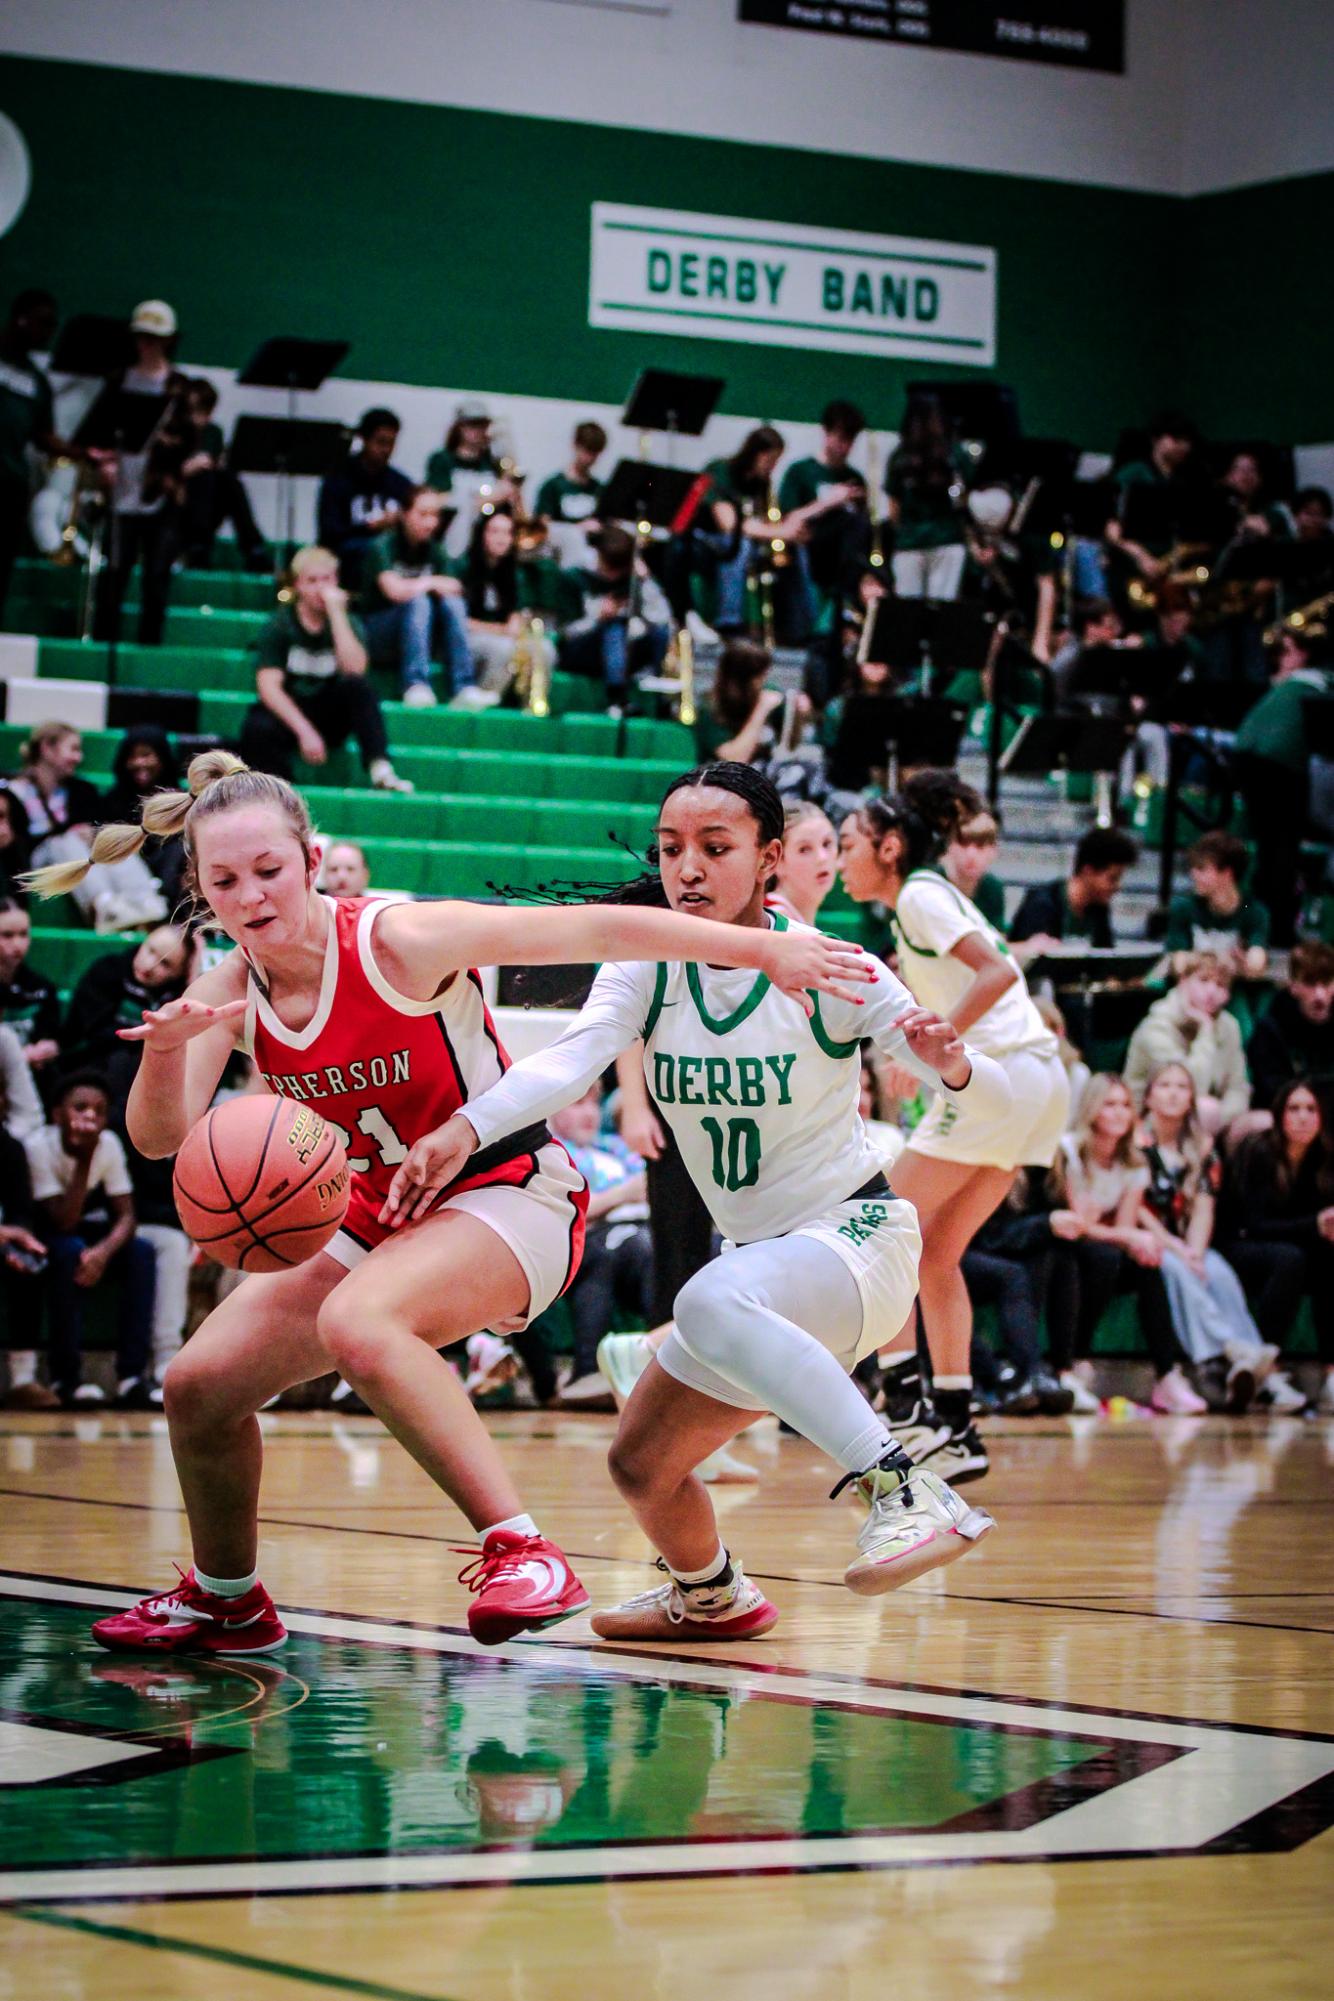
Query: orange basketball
261,1183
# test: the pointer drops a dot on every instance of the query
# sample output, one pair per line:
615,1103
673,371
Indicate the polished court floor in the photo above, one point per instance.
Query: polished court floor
1094,1760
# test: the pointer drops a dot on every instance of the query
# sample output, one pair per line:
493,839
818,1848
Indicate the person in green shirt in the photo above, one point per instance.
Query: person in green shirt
968,860
573,494
1152,499
467,448
1271,762
830,494
1080,905
740,500
414,609
1216,916
310,678
27,420
926,481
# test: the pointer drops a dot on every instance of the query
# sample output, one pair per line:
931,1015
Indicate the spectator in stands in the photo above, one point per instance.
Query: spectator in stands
310,677
1072,1062
81,1185
927,481
735,727
1096,623
359,501
968,861
61,809
1209,1310
1098,1182
1276,1228
15,844
1152,495
146,762
489,574
573,494
141,528
734,522
1250,514
1294,1037
615,1278
1007,1265
1272,762
22,1264
210,492
1312,574
22,1107
467,448
413,609
345,870
27,422
809,867
1080,905
830,495
112,994
624,625
29,1003
1190,1026
1216,917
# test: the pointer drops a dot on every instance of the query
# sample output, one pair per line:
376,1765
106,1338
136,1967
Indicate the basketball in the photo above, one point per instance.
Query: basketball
261,1183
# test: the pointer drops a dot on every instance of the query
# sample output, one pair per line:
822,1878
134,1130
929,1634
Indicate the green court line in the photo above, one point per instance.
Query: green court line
341,1983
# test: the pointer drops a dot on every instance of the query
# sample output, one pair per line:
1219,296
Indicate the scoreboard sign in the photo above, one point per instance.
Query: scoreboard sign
1077,34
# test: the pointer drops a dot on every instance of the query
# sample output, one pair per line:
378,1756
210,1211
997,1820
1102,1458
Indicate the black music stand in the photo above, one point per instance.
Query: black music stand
899,629
292,448
298,366
665,400
876,732
1066,740
118,420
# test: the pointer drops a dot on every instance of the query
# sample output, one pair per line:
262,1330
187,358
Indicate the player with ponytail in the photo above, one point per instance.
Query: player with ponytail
371,1010
957,1167
762,1096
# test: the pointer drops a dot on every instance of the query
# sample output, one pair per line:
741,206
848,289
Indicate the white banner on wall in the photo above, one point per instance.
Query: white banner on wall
722,277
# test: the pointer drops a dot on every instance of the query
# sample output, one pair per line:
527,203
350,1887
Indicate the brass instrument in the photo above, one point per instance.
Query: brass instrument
532,667
1187,569
66,553
1308,621
777,556
679,666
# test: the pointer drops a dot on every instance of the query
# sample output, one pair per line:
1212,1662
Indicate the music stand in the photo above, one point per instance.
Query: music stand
641,492
898,632
876,732
292,448
296,365
665,400
118,420
1066,740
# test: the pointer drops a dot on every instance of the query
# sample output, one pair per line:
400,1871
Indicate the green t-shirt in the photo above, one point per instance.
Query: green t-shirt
807,479
1276,727
989,896
561,498
441,465
1193,927
393,551
928,516
306,659
26,414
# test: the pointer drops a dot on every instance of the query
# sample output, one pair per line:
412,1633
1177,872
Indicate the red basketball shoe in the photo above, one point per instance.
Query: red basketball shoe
190,1620
519,1583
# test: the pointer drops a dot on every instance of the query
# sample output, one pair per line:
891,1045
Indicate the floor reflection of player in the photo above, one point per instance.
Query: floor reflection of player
375,1012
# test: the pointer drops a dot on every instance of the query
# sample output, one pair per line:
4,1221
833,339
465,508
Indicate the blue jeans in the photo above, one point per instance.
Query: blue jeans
412,636
134,1269
607,650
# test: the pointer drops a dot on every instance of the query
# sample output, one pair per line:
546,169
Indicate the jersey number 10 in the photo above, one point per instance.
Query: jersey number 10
736,1153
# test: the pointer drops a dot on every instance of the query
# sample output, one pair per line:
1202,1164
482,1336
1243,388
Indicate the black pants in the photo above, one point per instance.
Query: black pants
132,538
1277,1277
1085,1277
346,706
615,1277
211,498
682,1228
134,1269
22,1307
1276,803
14,500
1013,1287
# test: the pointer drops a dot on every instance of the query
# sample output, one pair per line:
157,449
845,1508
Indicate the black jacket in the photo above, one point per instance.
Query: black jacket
349,498
1254,1206
1044,910
1283,1045
30,1006
108,997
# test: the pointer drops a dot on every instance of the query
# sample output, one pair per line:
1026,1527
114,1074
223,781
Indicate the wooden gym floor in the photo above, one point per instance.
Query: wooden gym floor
1094,1760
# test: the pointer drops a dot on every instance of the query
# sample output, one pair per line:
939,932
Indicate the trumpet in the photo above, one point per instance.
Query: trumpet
679,666
875,512
532,668
1307,621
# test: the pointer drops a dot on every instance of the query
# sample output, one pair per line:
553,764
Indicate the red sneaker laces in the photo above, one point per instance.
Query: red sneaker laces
489,1566
189,1586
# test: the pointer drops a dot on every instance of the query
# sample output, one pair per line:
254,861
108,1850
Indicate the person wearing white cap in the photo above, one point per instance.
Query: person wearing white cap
143,525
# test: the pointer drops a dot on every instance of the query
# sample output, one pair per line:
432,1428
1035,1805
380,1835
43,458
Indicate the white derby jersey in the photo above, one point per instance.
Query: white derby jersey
762,1100
929,920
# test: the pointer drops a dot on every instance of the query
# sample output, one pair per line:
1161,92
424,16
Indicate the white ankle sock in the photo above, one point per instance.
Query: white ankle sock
22,1367
226,1587
713,1568
516,1524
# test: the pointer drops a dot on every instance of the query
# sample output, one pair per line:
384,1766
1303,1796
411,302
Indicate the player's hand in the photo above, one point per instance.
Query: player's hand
179,1022
432,1164
799,962
937,1043
642,1133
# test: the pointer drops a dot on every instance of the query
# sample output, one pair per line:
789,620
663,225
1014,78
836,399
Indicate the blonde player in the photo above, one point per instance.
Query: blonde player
761,1093
960,1162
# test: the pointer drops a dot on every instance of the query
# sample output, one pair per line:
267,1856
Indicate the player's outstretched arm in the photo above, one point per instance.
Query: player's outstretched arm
185,1047
421,944
925,1043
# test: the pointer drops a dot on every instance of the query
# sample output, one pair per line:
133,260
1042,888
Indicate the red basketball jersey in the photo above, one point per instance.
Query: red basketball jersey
383,1069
